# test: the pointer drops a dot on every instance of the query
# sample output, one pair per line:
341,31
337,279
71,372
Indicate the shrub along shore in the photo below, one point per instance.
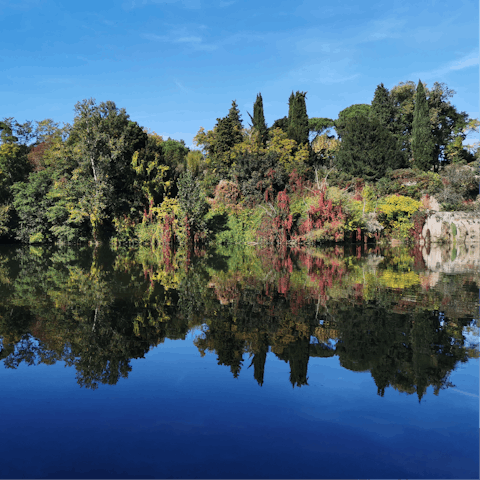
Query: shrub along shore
371,174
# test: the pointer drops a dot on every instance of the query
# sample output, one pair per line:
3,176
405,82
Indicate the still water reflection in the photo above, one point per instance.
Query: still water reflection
380,313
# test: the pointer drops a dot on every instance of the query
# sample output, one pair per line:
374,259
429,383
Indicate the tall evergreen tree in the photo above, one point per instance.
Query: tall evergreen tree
298,119
385,111
258,120
235,123
368,149
423,143
382,107
291,99
228,131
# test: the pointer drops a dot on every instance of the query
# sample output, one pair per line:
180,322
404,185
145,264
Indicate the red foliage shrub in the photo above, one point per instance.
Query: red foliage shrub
325,212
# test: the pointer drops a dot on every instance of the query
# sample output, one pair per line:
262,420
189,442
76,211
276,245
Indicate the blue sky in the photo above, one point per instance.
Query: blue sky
176,65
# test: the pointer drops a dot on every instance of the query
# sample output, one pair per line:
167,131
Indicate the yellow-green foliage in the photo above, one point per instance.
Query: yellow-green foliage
326,147
395,212
354,209
369,199
150,230
249,145
300,205
285,147
36,238
402,280
4,218
241,226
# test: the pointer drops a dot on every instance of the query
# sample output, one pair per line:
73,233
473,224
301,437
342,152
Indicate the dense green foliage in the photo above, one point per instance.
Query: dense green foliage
105,176
354,111
298,127
368,149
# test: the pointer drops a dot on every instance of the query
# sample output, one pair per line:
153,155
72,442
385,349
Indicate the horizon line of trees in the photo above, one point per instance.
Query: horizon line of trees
105,173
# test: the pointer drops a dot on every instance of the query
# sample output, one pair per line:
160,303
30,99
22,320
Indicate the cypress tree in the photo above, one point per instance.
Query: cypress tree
258,119
384,110
291,99
423,144
236,124
298,119
228,133
382,107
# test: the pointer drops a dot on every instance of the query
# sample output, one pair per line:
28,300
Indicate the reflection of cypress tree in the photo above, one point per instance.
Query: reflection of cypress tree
230,352
297,355
259,359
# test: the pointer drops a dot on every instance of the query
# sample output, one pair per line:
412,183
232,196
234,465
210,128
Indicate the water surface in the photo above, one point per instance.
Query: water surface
237,363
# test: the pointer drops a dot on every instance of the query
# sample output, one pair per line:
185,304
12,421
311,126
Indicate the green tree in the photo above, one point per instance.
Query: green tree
31,205
298,128
102,141
382,107
219,142
319,125
358,110
281,123
367,148
193,206
449,126
258,120
423,143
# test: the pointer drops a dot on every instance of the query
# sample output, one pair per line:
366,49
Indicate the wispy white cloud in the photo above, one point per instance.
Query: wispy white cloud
191,39
464,393
181,86
131,4
382,29
194,42
325,72
469,60
56,81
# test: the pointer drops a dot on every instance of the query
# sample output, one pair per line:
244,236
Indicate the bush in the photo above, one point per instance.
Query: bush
395,212
459,187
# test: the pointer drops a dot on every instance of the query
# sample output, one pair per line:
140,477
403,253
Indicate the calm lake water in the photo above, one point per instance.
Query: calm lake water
238,363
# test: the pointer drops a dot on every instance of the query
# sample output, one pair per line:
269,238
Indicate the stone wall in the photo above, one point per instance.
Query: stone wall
452,259
457,228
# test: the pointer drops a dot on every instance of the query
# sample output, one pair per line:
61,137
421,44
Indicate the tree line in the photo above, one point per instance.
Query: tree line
105,175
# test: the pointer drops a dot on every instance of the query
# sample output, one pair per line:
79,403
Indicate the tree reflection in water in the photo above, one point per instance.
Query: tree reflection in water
378,311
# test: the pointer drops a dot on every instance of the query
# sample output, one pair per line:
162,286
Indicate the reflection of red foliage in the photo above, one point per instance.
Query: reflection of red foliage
358,289
322,273
418,262
283,285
